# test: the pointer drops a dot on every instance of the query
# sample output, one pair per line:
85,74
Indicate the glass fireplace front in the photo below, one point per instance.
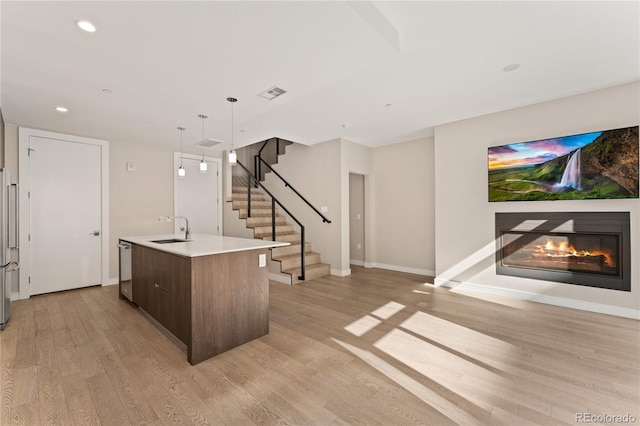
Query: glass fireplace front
584,248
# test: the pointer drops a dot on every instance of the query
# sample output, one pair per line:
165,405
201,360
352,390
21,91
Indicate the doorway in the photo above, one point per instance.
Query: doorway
64,212
197,195
356,220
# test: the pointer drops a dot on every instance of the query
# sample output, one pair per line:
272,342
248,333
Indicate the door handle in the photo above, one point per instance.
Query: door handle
96,233
15,268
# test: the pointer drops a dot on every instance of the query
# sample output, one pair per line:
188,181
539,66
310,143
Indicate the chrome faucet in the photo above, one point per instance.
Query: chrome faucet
187,231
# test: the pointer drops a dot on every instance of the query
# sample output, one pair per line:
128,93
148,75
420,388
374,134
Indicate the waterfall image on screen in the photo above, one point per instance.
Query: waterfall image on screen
601,164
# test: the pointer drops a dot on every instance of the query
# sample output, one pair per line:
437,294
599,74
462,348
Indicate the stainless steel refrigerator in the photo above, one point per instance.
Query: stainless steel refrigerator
8,242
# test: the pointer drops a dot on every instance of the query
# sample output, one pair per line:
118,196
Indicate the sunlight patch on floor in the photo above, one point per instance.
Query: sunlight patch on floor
362,325
472,382
430,397
465,341
388,310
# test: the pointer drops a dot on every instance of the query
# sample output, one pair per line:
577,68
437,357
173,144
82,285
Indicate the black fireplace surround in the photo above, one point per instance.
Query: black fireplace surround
584,248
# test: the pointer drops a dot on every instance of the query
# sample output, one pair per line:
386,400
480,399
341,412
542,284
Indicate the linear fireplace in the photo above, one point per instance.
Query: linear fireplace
583,248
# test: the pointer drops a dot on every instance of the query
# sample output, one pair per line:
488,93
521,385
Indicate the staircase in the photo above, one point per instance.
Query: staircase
270,150
260,221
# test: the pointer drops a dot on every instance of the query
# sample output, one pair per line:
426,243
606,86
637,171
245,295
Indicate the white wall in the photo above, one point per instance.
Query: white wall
315,172
138,199
465,218
403,206
398,210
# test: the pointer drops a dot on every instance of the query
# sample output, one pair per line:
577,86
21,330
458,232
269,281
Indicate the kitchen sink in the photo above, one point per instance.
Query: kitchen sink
169,241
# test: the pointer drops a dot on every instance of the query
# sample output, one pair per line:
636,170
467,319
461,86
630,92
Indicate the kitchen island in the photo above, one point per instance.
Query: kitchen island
211,292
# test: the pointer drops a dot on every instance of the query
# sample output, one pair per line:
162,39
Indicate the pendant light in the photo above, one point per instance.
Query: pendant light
203,164
181,172
233,157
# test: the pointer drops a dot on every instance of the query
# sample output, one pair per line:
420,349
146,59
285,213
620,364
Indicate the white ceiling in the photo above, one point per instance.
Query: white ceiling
167,62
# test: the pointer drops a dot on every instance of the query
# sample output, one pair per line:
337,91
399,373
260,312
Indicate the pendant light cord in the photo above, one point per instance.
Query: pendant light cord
182,129
232,101
203,117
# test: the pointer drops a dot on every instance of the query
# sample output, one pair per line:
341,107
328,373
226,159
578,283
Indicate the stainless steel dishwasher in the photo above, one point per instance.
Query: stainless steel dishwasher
125,270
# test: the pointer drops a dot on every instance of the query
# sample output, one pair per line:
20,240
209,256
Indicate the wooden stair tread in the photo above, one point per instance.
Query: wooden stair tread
311,272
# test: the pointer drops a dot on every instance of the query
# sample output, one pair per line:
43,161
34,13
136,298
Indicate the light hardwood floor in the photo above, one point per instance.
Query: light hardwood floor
377,347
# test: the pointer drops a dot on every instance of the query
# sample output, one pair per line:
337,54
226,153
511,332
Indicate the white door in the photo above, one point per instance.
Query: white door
65,215
196,195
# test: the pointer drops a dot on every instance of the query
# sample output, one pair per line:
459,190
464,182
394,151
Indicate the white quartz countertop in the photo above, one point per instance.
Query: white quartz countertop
201,244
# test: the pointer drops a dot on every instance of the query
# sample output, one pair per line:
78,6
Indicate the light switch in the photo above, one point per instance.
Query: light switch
358,216
262,260
324,209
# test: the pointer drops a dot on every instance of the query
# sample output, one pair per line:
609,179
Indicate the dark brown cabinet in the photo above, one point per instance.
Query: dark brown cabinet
161,286
210,303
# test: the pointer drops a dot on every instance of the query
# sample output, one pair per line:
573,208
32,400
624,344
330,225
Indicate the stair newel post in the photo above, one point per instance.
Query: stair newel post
256,161
249,196
301,277
273,219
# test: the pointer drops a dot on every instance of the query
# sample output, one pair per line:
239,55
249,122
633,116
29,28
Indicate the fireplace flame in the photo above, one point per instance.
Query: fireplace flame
564,249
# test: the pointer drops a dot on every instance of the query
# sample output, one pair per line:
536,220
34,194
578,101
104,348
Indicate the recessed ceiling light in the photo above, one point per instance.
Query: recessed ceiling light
346,125
388,105
107,91
61,109
511,67
86,26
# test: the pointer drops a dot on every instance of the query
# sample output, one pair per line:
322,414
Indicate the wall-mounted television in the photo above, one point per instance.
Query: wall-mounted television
601,164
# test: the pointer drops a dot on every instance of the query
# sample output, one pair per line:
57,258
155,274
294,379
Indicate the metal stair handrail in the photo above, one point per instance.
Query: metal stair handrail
257,166
274,200
288,185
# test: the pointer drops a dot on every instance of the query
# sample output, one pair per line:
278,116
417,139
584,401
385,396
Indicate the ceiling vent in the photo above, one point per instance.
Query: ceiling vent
208,142
272,93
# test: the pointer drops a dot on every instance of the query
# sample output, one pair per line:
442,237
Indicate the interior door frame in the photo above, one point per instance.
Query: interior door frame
24,136
176,162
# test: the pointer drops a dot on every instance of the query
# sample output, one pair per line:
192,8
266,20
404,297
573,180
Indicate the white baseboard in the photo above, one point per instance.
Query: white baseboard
112,281
285,279
541,298
340,272
356,262
399,268
15,296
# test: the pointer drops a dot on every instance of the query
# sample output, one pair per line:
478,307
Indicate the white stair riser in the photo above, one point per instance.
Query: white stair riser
289,250
309,259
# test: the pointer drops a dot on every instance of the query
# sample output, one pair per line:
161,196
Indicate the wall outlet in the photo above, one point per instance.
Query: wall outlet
359,245
357,217
262,260
131,166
